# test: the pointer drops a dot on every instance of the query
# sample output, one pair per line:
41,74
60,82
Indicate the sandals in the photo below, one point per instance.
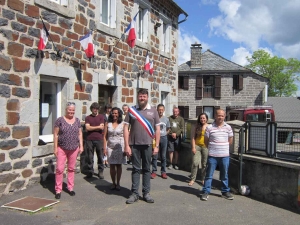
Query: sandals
118,187
113,187
191,183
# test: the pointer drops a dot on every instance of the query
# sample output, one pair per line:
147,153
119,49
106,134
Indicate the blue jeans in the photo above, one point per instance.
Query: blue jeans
141,153
163,144
212,162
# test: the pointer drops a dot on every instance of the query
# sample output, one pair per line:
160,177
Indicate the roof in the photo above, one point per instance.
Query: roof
213,61
286,108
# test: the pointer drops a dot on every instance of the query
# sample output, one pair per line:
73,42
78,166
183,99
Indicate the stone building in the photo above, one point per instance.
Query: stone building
35,87
208,81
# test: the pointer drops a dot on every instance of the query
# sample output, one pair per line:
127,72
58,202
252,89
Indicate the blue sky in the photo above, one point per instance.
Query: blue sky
235,29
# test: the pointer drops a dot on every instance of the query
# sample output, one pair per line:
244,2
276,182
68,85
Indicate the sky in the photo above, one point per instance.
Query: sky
235,29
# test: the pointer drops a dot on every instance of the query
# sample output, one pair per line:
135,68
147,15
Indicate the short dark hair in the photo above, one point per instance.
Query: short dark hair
143,91
95,105
160,105
107,106
120,118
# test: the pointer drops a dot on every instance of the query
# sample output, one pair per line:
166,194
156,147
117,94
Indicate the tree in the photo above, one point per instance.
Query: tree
282,73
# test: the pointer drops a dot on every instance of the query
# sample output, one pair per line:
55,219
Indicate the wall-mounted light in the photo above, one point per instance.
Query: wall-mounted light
109,78
157,25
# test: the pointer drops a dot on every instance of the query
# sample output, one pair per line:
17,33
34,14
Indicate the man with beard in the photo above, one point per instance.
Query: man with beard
94,125
143,119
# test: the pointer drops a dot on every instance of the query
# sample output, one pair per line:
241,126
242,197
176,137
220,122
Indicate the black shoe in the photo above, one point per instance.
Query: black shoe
100,175
204,197
132,199
147,198
227,195
89,175
57,195
72,193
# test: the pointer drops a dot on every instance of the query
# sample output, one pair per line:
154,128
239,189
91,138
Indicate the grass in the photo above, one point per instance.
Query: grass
43,209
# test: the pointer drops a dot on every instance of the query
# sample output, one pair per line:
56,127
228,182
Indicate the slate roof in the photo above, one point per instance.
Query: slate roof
286,108
212,61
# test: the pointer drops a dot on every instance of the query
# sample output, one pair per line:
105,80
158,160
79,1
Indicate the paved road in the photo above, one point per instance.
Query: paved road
175,203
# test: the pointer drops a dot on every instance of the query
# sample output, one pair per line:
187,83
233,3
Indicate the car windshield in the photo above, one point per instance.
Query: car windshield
259,117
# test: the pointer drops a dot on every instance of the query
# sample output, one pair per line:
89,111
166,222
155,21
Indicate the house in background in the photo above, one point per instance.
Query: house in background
208,82
34,90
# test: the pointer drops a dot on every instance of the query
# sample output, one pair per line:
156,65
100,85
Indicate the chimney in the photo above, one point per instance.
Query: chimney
196,55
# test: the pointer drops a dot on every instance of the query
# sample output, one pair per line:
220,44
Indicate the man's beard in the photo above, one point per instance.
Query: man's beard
142,104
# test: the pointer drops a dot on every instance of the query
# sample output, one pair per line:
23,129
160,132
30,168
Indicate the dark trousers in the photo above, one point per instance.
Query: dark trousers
163,143
89,147
141,154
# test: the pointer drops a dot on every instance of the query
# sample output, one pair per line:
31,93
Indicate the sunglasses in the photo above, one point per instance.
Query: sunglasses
70,103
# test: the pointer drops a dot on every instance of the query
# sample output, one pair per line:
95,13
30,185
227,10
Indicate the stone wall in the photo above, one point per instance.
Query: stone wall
22,160
251,94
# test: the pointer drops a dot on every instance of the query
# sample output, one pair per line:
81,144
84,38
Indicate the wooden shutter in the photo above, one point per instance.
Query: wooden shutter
215,109
199,110
186,83
181,111
217,87
199,89
240,82
186,113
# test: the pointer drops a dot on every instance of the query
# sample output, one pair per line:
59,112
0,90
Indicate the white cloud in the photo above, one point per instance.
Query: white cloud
185,40
240,55
257,23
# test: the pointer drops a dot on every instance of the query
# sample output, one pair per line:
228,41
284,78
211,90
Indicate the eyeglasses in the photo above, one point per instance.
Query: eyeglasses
70,103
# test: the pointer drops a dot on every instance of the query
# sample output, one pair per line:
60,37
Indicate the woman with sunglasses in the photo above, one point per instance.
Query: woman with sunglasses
199,150
67,145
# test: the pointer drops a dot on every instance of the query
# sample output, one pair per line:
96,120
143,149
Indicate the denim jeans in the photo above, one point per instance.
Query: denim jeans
89,148
141,153
163,144
212,162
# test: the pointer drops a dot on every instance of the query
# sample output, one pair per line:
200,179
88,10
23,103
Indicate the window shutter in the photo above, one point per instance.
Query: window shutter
186,113
186,83
199,89
215,110
113,14
145,25
181,111
199,110
217,87
167,44
240,82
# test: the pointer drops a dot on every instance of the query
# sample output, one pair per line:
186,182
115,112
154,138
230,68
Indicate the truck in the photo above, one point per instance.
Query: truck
250,113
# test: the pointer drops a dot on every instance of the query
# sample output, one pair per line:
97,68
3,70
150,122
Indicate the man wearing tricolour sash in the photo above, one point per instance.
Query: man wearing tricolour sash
145,126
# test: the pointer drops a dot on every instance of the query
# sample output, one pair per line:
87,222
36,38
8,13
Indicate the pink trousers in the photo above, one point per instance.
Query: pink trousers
62,156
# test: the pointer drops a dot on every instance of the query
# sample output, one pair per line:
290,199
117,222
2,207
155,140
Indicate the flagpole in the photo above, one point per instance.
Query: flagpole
57,51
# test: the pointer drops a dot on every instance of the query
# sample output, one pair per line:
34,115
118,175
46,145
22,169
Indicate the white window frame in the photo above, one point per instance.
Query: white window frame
63,7
112,13
143,19
165,37
164,96
49,138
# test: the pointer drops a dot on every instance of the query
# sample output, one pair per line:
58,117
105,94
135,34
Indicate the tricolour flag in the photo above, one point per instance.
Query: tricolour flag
87,44
130,32
43,38
151,67
147,62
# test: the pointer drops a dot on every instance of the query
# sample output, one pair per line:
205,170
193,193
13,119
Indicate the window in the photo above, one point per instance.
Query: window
142,25
183,82
165,101
61,2
50,107
209,85
108,12
210,111
237,82
64,7
165,38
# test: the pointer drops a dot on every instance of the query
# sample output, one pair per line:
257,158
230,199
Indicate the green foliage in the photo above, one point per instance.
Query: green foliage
282,73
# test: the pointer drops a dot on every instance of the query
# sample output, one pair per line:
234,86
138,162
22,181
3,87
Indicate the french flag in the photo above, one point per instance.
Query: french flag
147,62
87,44
43,38
130,32
151,67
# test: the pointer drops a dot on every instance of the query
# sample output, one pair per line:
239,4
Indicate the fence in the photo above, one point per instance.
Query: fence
272,139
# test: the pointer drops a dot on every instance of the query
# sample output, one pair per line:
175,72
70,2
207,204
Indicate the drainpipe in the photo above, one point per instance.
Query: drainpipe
241,155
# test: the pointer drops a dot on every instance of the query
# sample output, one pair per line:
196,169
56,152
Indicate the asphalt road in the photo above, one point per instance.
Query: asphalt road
175,203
